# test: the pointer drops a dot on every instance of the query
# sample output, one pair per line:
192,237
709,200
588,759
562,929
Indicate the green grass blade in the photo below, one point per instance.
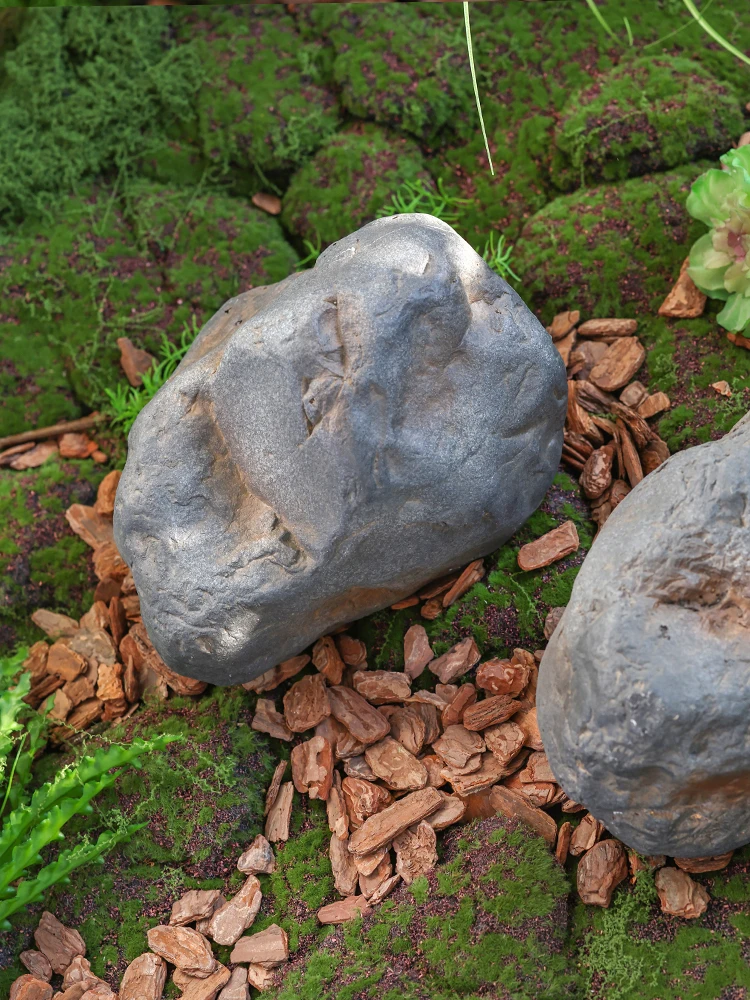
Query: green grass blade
714,33
600,18
474,82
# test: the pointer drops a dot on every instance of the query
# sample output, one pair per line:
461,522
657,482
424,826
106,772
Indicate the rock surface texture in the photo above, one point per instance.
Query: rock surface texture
644,689
331,443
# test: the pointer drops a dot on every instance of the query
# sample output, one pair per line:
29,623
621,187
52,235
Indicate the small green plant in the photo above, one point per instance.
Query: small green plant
126,402
623,963
31,822
313,252
415,196
498,257
720,260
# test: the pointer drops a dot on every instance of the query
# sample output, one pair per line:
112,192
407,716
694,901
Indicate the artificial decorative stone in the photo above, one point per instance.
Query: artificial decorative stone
644,688
332,443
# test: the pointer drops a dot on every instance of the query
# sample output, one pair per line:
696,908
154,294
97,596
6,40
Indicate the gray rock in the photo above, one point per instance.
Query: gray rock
644,689
331,443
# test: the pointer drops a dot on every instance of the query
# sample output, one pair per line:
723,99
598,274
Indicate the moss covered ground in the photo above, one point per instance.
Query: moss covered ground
133,141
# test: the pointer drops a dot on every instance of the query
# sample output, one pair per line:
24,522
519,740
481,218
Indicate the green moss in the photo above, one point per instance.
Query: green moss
303,880
647,114
208,246
202,801
632,951
108,266
69,289
83,91
176,162
395,65
344,185
62,568
267,105
527,67
613,250
42,563
500,931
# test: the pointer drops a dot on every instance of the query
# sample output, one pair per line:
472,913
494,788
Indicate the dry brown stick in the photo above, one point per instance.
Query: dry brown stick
42,433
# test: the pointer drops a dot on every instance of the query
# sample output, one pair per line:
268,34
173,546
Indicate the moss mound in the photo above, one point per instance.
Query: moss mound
343,186
267,104
207,246
491,922
645,115
70,288
107,267
395,64
84,90
612,250
202,801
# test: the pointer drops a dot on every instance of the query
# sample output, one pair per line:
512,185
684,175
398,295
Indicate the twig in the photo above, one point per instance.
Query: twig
42,433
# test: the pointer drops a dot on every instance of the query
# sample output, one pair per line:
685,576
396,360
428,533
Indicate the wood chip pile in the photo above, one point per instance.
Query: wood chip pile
99,667
396,766
607,437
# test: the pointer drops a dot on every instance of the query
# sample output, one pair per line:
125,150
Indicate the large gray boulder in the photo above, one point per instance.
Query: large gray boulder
331,443
644,689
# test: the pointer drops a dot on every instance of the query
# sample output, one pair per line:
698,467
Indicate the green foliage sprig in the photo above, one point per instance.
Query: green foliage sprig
126,402
85,90
34,821
416,196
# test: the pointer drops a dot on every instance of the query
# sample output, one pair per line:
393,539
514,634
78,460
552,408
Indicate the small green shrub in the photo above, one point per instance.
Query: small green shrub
610,950
86,90
35,821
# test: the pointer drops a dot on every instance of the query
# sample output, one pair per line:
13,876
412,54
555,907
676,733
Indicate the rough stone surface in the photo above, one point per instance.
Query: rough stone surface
332,443
644,689
259,857
37,964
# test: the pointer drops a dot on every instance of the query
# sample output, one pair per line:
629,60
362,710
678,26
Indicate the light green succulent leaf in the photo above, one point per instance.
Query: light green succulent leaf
710,196
736,313
737,278
710,280
738,159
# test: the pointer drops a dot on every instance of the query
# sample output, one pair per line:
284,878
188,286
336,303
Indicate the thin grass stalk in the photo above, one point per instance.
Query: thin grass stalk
714,33
600,18
474,82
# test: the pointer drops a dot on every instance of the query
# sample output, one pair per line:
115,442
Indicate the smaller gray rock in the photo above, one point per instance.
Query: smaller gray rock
644,689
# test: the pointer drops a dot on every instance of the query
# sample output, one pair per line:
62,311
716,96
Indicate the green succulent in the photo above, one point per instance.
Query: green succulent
720,260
